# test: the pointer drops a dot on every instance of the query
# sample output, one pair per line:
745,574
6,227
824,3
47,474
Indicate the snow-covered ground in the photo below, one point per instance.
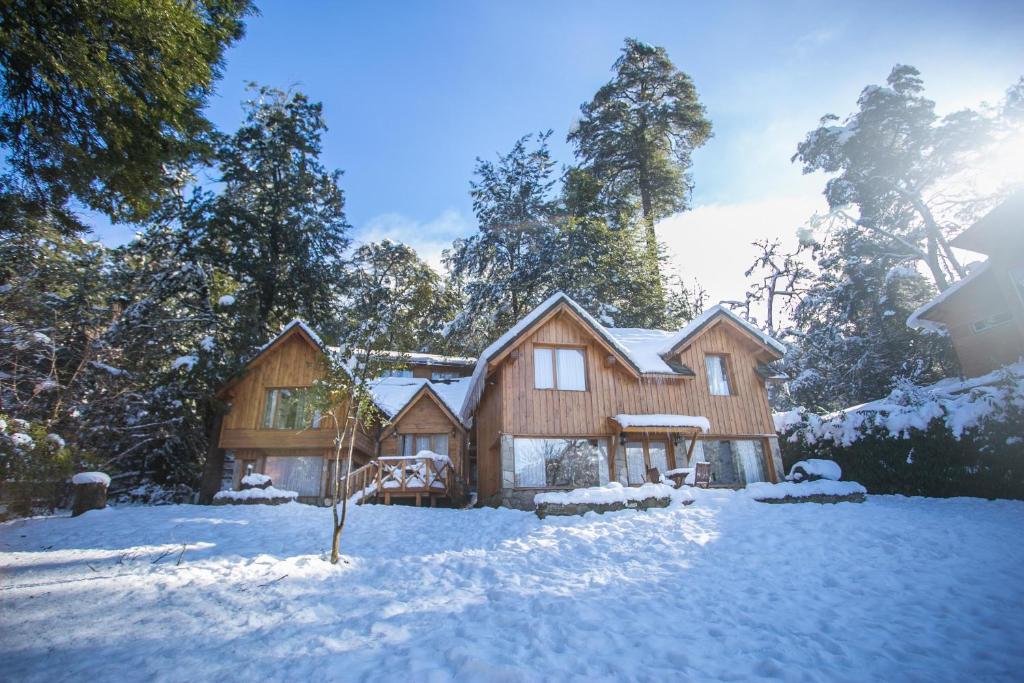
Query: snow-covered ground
893,589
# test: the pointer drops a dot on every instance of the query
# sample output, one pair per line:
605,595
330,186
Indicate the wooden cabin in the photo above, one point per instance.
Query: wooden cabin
984,313
564,402
271,429
560,401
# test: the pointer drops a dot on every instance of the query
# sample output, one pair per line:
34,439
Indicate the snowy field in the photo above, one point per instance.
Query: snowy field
894,589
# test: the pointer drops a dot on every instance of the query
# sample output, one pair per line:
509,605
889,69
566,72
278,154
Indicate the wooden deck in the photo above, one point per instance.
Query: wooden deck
407,479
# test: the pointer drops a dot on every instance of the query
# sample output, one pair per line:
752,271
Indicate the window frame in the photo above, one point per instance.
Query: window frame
554,349
599,439
433,436
726,362
315,416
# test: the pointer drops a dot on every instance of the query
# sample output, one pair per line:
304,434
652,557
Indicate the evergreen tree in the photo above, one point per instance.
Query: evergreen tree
849,341
892,160
277,228
390,286
637,135
100,97
504,269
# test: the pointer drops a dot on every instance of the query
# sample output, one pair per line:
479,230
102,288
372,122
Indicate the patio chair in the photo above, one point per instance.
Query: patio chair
702,474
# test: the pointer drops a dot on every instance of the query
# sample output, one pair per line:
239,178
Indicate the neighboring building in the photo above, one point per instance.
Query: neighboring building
270,428
559,401
984,313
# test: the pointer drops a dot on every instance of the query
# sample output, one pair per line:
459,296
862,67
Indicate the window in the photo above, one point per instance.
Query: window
560,463
300,473
734,461
563,369
396,372
991,321
412,444
637,457
718,379
289,409
441,375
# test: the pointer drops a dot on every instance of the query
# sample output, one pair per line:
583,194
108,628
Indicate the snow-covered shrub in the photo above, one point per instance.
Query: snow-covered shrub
813,469
953,438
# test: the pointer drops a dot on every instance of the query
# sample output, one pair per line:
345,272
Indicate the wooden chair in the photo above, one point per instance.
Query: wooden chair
702,474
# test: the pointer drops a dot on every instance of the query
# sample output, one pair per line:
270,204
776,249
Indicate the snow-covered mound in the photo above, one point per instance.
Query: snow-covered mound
816,468
255,479
960,404
612,492
822,487
91,478
269,493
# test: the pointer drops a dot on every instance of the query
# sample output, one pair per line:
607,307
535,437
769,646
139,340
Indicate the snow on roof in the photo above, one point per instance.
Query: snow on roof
915,319
287,328
644,347
426,358
701,320
698,421
392,394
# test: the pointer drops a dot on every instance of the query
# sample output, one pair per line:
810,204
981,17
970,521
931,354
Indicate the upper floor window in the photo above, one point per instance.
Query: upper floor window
413,444
718,377
555,368
437,375
988,323
396,372
289,409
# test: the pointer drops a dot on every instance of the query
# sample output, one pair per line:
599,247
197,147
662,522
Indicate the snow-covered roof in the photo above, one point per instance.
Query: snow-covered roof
917,319
661,420
393,394
288,328
698,323
644,346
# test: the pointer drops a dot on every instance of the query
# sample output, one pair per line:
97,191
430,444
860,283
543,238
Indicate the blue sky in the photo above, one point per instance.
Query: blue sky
414,92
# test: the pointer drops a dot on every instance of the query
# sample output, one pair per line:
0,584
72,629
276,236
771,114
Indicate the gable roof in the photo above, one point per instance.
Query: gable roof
396,395
294,328
644,351
686,335
1001,229
921,318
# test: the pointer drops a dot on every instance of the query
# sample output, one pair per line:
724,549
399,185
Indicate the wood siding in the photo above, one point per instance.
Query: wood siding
511,404
293,362
426,417
992,293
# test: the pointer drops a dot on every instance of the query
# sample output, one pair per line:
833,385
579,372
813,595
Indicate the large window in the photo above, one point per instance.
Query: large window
560,463
734,461
563,369
396,372
718,377
289,409
443,375
299,473
412,444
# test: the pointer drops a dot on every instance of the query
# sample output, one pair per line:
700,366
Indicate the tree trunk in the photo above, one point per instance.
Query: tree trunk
213,468
339,524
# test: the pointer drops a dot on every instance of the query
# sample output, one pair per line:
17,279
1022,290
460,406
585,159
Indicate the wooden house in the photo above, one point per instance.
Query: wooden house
984,312
559,401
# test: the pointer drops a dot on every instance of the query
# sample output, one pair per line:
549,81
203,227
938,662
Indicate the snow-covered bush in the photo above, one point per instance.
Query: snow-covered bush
813,469
953,438
34,465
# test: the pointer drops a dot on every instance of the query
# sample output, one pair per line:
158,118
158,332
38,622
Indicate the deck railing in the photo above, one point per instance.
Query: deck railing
405,476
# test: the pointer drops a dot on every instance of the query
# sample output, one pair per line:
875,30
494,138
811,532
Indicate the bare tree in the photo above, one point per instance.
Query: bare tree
781,279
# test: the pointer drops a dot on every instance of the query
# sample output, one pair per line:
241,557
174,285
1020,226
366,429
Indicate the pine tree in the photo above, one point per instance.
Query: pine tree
278,227
637,135
391,286
100,97
893,161
503,270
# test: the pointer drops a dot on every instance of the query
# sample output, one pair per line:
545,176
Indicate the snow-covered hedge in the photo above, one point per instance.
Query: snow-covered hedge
953,438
